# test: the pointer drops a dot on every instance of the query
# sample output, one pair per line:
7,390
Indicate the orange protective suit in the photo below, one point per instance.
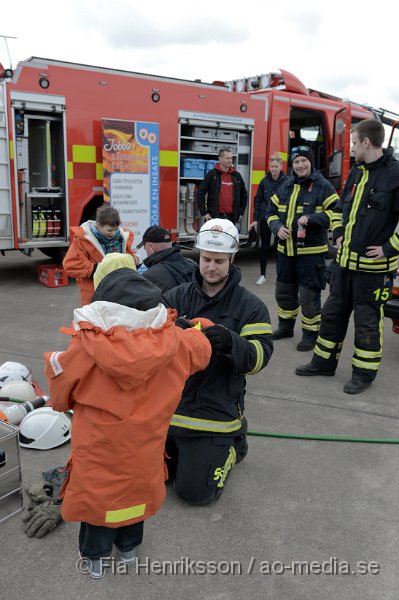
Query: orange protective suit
124,383
84,253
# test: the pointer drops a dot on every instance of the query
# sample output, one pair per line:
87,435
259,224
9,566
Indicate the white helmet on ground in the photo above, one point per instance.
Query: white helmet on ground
14,371
218,235
44,428
21,390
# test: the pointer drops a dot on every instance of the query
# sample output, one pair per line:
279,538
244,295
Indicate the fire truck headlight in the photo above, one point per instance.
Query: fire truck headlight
44,83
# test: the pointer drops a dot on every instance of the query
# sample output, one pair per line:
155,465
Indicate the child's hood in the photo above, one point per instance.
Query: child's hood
127,344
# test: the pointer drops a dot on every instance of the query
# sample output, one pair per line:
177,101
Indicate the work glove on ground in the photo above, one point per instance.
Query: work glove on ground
42,519
183,323
220,338
38,493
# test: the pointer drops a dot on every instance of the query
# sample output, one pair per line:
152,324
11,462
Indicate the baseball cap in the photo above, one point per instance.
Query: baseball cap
155,234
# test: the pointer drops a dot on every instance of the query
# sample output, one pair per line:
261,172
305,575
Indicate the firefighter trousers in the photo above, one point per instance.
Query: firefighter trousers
300,280
365,294
201,465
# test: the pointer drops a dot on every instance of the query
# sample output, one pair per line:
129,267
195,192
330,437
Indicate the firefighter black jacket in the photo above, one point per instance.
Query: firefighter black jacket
367,215
314,197
213,400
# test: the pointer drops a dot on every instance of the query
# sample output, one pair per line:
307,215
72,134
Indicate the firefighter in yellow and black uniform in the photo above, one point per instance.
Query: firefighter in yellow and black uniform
368,248
305,199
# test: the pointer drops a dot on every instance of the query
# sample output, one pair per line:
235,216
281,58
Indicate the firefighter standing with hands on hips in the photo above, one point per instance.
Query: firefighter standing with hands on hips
299,215
368,249
207,434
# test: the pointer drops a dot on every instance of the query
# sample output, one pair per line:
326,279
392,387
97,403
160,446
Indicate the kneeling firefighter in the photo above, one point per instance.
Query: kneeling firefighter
207,435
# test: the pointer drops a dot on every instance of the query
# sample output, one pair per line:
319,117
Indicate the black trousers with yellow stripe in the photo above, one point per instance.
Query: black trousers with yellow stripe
201,465
365,294
300,280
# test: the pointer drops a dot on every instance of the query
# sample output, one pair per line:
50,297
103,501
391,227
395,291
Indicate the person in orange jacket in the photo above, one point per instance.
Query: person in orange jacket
122,374
91,242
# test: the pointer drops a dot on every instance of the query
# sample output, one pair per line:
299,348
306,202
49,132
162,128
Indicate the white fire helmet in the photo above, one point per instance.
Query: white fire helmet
44,428
218,235
21,390
14,371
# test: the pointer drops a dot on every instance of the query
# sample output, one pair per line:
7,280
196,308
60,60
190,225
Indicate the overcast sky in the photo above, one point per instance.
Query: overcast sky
345,48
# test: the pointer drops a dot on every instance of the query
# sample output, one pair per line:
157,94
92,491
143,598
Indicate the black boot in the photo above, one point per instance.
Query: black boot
306,344
282,333
356,385
309,370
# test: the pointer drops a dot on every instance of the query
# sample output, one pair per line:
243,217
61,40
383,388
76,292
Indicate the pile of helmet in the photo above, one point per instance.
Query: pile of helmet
41,429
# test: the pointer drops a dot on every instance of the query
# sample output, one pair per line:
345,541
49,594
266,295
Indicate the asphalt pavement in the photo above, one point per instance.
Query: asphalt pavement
298,520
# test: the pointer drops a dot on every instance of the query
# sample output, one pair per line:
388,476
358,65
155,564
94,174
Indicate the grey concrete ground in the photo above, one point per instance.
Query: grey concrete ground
334,503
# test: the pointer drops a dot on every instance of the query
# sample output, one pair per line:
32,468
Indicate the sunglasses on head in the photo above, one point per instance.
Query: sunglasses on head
301,149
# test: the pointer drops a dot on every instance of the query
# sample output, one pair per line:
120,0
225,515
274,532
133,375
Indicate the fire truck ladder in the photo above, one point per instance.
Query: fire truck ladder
6,233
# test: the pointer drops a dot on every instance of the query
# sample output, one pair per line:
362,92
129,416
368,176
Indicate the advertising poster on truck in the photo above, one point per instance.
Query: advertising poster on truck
131,172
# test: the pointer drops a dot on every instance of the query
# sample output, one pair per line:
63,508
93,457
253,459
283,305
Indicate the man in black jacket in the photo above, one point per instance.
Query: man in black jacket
302,206
368,248
167,267
222,193
207,435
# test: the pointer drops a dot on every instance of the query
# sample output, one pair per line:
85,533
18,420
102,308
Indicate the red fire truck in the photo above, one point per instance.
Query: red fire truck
52,173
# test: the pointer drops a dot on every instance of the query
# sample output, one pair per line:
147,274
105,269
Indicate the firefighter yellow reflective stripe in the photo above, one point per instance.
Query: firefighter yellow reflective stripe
124,514
204,424
230,462
99,171
394,241
84,154
168,158
275,200
255,329
335,224
326,343
311,321
259,356
282,208
287,314
330,200
299,210
313,249
322,353
367,353
257,176
272,218
70,170
353,214
365,365
290,217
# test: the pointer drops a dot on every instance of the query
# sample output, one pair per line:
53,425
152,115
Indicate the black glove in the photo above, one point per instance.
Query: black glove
220,338
183,323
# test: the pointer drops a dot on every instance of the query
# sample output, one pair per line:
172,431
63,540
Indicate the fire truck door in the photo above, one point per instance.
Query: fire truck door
335,163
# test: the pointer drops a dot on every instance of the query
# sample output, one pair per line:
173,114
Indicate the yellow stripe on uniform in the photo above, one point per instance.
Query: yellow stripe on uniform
230,462
259,357
255,329
205,424
124,514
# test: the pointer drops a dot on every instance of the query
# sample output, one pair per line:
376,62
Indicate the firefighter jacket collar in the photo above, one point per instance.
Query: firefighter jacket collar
386,154
303,180
106,315
233,279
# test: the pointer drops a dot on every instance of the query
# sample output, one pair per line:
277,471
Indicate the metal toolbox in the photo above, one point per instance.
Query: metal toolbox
11,499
